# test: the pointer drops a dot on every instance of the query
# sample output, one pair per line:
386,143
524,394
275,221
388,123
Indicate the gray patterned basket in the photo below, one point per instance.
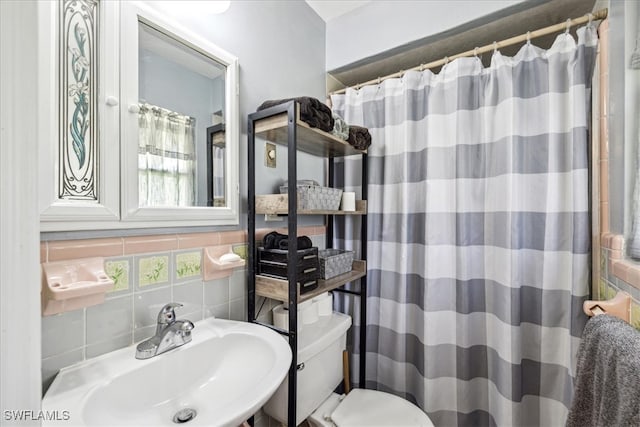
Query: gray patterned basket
315,197
334,262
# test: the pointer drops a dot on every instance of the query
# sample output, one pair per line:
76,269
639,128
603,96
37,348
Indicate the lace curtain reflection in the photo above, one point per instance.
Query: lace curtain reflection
166,158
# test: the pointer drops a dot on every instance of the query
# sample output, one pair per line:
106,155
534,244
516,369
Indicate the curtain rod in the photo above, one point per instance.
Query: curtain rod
601,14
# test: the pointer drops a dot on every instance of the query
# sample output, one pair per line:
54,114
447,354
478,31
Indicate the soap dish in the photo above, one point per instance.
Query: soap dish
219,261
73,284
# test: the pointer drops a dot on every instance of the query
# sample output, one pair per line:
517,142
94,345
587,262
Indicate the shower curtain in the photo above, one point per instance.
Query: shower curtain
478,233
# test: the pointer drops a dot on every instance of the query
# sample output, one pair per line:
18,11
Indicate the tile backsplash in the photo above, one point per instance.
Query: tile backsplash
613,271
148,272
611,280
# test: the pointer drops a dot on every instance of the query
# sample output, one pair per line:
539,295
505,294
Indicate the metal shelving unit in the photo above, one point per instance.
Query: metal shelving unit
281,124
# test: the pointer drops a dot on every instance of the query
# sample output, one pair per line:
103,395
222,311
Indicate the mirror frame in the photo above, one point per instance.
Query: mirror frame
131,212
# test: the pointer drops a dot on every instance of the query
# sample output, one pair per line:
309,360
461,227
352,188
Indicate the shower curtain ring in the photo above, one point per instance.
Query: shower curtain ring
475,51
446,60
421,67
590,15
528,37
566,31
495,47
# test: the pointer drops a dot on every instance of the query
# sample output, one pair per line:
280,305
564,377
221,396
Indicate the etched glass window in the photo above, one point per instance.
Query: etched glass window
78,55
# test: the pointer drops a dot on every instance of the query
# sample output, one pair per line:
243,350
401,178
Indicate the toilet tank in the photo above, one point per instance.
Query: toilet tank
320,347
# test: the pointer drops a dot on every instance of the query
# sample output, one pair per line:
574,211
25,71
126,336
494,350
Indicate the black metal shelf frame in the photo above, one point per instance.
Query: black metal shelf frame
291,108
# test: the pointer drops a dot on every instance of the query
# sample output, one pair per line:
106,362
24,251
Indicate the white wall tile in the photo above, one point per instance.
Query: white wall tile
110,344
216,292
190,295
238,309
62,333
110,319
238,284
147,305
220,311
51,365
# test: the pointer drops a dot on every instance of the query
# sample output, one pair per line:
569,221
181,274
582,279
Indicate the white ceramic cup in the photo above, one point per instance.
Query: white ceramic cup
348,201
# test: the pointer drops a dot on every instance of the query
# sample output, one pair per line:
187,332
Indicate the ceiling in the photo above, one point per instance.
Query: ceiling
329,9
512,22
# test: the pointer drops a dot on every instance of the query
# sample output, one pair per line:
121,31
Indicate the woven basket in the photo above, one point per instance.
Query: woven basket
334,262
315,197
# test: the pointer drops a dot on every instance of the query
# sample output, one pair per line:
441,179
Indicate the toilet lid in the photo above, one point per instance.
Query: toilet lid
372,408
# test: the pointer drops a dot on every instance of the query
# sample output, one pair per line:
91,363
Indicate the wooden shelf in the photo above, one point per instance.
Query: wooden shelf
309,140
277,204
273,124
278,288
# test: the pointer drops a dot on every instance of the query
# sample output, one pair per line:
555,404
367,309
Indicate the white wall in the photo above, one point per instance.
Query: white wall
623,116
280,46
384,24
20,388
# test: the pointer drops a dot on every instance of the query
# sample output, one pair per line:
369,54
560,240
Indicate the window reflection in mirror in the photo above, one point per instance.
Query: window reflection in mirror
181,94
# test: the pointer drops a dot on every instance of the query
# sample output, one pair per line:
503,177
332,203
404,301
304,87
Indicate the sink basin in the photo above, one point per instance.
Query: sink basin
226,373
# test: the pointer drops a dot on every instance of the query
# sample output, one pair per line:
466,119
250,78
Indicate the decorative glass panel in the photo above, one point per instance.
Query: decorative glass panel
78,100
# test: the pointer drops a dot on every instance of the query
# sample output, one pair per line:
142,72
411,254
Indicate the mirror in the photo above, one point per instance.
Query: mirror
176,85
181,94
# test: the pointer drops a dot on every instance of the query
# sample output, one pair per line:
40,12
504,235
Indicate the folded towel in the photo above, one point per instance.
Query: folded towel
607,384
312,111
275,240
359,137
303,243
340,128
272,240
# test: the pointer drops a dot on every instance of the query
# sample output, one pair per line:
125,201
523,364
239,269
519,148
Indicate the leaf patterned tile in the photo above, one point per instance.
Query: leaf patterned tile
153,270
602,290
241,250
188,265
118,269
635,314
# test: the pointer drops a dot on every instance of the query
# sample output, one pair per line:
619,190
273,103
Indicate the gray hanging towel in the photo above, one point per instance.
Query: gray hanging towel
607,386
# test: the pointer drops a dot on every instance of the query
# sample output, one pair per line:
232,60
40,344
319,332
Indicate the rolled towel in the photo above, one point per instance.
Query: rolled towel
340,128
312,111
272,240
359,137
303,243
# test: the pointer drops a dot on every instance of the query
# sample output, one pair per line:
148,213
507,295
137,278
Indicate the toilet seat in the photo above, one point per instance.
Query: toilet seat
369,408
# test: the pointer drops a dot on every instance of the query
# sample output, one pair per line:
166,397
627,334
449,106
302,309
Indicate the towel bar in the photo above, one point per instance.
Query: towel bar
619,306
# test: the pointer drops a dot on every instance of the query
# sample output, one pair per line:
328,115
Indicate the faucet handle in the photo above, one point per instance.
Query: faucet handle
186,327
167,315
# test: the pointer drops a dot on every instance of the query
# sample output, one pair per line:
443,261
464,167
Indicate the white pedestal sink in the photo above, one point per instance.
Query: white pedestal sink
225,374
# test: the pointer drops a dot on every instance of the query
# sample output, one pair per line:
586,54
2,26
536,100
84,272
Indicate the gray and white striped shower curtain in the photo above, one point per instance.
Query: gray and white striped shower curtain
478,232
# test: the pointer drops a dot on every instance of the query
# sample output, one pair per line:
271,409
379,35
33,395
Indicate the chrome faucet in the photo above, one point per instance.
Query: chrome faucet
170,333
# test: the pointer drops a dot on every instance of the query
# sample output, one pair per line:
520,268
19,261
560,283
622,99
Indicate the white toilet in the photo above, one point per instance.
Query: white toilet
320,347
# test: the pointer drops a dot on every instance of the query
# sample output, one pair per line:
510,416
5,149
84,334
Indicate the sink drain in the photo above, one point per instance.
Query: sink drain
184,415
